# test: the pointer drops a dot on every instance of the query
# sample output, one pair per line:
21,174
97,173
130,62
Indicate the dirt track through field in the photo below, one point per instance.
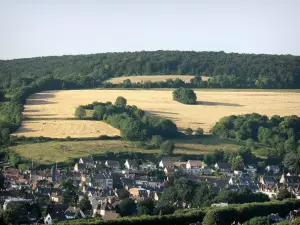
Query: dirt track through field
47,110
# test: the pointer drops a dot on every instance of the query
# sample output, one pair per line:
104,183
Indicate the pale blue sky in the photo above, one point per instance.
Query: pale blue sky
57,27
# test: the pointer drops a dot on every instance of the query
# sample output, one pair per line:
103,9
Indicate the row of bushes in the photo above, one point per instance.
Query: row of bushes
242,213
217,216
146,220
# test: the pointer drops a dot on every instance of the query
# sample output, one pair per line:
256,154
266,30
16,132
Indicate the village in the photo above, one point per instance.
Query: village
103,183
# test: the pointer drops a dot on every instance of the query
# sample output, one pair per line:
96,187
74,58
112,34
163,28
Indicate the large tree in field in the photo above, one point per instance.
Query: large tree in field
120,101
292,161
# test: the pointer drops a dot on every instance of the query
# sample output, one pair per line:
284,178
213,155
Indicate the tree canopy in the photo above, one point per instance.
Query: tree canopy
240,70
185,95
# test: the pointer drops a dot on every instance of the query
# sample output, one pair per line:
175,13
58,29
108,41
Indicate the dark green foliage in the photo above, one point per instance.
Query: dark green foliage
2,96
292,161
127,207
134,123
70,195
262,220
284,193
156,141
227,69
167,147
280,134
237,163
217,216
85,204
80,113
99,112
145,207
189,131
120,102
123,194
239,197
185,95
242,213
199,132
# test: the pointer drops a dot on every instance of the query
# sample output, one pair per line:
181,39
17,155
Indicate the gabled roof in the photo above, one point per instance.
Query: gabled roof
196,163
87,160
132,162
112,163
269,180
292,179
225,166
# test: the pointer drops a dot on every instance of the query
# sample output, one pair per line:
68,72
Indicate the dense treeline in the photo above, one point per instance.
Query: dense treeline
185,96
280,134
247,70
134,123
43,84
217,216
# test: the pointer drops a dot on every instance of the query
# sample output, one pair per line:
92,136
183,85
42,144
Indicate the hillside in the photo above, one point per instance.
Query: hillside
246,70
50,113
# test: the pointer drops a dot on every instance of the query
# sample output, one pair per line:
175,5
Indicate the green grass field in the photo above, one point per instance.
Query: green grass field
66,151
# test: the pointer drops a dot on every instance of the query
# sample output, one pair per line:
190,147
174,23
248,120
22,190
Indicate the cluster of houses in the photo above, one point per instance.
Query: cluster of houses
103,181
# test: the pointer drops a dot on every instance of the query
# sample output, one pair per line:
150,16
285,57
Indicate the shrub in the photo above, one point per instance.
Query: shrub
80,113
199,131
185,95
167,147
156,141
189,131
120,102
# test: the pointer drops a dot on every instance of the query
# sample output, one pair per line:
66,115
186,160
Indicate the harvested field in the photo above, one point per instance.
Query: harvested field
155,78
65,128
48,107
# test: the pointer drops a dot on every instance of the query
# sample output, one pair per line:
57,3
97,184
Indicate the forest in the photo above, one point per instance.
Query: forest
226,69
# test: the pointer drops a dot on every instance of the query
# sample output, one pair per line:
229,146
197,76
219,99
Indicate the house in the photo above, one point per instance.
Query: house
111,164
80,167
206,170
98,180
88,161
290,181
54,217
169,171
268,180
10,173
194,164
272,169
139,192
131,164
149,166
167,163
107,210
56,197
74,213
223,167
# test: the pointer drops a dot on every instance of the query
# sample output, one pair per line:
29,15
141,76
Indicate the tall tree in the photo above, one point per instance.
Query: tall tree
292,161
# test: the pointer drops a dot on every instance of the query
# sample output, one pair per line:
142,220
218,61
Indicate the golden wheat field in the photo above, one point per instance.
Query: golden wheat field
49,112
154,78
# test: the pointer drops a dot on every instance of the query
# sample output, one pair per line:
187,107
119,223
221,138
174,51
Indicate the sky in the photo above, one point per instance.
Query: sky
31,28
